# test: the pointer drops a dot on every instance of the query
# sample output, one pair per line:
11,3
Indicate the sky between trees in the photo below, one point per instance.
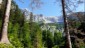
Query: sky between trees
49,7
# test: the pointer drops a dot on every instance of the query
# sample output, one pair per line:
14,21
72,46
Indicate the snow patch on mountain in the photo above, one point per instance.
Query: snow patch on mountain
46,19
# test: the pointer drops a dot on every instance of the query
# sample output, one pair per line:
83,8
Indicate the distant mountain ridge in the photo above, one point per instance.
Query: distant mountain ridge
46,19
51,19
43,19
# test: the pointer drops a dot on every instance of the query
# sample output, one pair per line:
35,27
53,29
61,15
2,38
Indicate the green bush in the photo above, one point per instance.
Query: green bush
6,45
82,45
13,35
56,46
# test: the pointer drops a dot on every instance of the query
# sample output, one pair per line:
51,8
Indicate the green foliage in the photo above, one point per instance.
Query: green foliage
13,35
36,36
44,38
77,24
55,46
25,36
82,45
28,35
58,39
48,39
38,40
6,45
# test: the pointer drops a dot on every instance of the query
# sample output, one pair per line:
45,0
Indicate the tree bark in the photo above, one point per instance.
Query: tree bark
4,35
31,21
66,29
0,3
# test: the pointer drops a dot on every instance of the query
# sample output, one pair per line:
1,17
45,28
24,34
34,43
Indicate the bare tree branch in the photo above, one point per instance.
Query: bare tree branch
35,4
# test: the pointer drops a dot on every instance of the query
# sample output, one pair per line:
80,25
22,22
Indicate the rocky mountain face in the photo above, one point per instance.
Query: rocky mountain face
43,19
46,19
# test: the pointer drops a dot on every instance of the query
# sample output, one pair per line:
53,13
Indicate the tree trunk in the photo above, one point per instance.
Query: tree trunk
31,21
66,29
4,35
0,3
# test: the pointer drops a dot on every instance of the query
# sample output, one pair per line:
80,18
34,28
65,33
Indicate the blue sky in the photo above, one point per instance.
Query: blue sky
49,8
